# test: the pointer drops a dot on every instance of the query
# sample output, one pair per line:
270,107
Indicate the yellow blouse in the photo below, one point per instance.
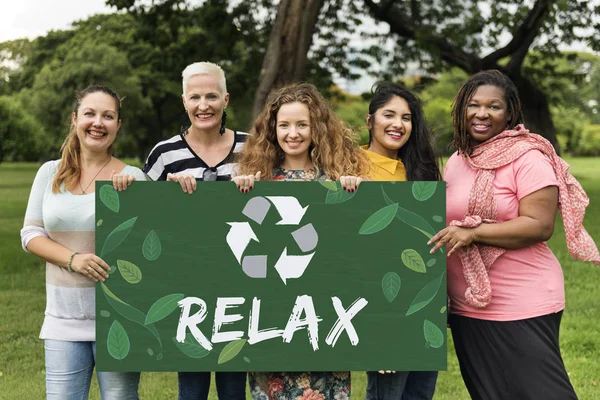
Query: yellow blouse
383,168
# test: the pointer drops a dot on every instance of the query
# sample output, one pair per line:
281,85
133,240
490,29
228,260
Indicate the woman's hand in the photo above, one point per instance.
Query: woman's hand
90,266
121,181
246,182
350,183
455,237
187,181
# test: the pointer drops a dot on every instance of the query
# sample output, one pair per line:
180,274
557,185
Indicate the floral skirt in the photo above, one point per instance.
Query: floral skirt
300,385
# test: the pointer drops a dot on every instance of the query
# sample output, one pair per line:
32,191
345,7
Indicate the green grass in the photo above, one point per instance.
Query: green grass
22,302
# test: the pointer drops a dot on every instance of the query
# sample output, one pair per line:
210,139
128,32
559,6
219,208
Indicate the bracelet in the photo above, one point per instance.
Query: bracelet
70,261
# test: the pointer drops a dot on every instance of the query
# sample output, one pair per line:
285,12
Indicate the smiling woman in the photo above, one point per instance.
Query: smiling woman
59,228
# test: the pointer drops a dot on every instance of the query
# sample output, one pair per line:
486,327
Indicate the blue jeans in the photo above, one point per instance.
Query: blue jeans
69,367
414,385
195,385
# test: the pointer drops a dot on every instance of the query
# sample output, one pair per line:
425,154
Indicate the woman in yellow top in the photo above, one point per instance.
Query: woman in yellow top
399,150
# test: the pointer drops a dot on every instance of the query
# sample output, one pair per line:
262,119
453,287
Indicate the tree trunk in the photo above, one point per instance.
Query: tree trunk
289,41
536,110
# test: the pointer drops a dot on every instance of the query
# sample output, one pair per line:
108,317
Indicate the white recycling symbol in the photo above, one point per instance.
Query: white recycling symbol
288,266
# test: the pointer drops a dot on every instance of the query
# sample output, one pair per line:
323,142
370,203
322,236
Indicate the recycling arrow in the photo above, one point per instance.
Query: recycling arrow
292,266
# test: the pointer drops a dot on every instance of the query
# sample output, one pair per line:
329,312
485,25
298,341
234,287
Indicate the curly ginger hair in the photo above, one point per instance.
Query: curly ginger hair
334,149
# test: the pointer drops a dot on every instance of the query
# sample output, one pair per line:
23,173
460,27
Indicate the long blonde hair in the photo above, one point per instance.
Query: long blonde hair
69,167
334,149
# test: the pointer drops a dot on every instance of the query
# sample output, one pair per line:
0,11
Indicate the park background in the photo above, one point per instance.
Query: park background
549,48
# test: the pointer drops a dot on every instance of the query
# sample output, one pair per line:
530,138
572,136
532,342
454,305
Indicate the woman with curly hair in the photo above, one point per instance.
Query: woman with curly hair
298,137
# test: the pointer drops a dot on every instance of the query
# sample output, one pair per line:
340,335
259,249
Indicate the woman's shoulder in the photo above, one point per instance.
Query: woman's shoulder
168,144
49,167
135,171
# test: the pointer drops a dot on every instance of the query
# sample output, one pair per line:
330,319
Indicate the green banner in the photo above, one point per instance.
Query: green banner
293,276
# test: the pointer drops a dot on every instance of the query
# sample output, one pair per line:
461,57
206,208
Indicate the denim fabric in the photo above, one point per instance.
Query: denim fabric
195,385
414,385
69,367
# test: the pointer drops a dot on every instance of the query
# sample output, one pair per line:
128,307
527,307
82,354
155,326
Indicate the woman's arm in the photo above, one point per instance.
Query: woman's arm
535,224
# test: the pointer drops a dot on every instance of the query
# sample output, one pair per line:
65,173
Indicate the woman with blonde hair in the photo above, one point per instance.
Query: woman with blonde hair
298,137
59,228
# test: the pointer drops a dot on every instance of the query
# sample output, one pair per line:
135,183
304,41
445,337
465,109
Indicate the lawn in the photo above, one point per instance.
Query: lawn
22,300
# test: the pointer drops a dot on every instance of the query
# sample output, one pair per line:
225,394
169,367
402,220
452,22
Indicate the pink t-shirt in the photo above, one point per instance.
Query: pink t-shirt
527,282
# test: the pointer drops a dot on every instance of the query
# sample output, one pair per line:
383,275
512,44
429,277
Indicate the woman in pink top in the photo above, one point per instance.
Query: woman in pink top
506,288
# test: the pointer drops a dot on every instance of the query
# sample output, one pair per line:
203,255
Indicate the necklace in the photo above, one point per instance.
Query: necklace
94,178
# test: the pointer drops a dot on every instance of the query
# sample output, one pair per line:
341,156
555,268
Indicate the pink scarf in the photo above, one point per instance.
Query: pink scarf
494,153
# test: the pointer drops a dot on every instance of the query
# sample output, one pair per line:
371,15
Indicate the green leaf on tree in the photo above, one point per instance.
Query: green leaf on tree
152,247
423,190
116,237
433,335
129,271
118,344
413,260
190,347
425,295
391,285
109,197
163,307
231,350
379,220
330,185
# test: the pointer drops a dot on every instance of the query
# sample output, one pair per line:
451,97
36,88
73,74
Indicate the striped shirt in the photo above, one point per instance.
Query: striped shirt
176,156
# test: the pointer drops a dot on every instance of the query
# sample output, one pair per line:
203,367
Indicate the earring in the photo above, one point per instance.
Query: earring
223,121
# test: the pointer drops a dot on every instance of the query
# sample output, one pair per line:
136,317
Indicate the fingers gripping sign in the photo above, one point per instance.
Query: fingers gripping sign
187,181
245,183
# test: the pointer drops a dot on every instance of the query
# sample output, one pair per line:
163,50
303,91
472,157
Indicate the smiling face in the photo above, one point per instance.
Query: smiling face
293,131
204,99
486,114
391,126
97,121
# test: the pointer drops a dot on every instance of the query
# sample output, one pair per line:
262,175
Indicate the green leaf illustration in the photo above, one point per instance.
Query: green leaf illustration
116,237
150,351
330,185
438,218
159,357
442,310
190,347
247,360
423,190
391,285
338,196
100,221
118,344
109,197
152,247
129,271
379,220
433,335
163,307
431,262
413,260
104,313
425,295
111,270
129,312
231,350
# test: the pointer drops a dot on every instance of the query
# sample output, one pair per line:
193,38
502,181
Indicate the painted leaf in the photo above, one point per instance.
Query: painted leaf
118,344
231,350
111,270
152,247
109,197
330,185
129,271
159,356
116,237
413,260
431,262
442,310
247,360
338,196
379,220
100,221
425,295
423,190
190,347
163,307
104,313
150,351
391,285
433,335
129,312
437,218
